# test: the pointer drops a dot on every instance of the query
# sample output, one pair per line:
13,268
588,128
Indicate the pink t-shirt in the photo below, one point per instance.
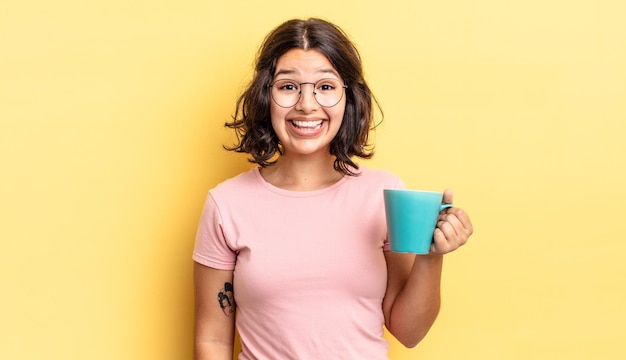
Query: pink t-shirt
309,267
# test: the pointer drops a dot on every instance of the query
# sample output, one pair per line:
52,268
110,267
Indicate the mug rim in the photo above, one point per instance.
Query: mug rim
413,190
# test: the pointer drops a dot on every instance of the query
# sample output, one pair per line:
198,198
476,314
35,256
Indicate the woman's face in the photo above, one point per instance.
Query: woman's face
306,128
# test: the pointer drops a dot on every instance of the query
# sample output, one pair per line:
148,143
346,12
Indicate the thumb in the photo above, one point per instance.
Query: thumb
447,196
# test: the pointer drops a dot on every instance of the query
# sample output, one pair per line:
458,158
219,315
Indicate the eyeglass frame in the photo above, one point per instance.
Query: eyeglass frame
271,86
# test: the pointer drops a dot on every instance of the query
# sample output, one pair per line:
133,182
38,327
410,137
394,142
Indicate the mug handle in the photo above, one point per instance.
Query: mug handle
445,206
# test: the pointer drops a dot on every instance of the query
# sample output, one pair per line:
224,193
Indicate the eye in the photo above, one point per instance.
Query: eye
286,85
327,85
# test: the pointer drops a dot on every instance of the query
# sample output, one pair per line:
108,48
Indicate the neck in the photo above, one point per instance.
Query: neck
298,175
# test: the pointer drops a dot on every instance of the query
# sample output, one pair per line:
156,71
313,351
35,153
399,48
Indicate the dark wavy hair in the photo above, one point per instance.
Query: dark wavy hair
252,122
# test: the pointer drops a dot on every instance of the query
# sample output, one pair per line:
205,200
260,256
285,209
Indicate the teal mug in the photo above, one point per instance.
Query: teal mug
411,219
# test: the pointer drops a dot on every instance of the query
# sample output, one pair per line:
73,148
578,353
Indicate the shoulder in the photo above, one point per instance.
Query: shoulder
378,177
239,186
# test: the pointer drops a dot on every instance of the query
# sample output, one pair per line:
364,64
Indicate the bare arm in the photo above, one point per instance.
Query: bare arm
214,313
412,300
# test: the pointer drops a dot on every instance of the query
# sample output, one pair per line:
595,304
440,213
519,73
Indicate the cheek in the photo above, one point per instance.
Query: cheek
277,116
338,115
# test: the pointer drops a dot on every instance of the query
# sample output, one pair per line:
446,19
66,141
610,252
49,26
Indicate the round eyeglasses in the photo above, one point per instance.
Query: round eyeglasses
327,92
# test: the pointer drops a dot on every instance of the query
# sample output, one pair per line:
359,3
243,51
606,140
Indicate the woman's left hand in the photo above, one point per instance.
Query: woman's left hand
454,227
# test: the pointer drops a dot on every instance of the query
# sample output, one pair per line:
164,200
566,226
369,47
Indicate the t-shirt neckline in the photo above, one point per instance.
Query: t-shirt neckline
293,193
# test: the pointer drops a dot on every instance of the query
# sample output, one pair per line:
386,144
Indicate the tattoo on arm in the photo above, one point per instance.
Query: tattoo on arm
226,299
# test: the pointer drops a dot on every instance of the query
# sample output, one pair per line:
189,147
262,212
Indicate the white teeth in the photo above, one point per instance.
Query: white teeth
307,124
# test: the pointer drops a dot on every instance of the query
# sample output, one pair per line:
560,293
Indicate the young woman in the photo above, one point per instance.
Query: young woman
300,241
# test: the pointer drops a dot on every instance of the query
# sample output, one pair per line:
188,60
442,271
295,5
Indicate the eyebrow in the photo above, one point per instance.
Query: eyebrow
320,71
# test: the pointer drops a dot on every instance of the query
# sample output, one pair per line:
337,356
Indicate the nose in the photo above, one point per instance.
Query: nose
307,101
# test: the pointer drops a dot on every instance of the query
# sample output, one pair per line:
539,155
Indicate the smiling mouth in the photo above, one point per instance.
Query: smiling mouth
311,125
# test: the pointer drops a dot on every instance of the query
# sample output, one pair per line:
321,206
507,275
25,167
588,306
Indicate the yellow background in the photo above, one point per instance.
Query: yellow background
111,118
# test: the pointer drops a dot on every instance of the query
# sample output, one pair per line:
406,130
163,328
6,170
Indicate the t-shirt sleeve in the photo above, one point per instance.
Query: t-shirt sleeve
399,185
211,248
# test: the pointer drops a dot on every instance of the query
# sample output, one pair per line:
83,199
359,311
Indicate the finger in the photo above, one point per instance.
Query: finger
443,238
460,234
447,197
440,244
449,235
463,217
449,229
